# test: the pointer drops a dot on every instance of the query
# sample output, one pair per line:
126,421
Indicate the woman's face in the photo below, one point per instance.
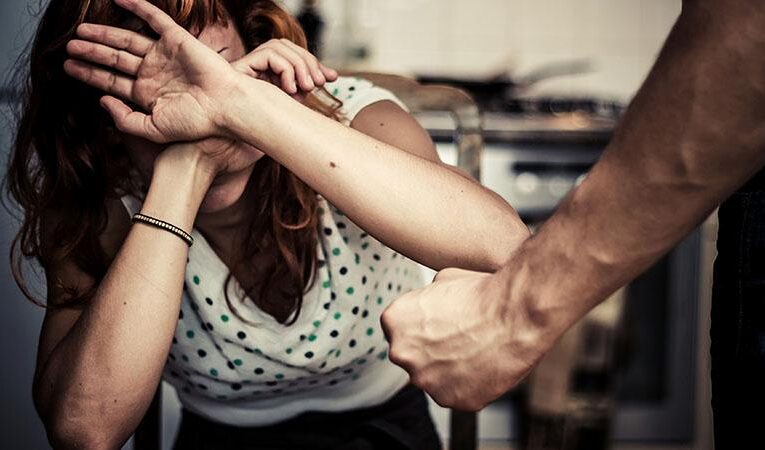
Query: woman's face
228,185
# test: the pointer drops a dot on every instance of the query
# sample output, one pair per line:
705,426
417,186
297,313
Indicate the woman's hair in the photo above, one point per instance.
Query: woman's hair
68,160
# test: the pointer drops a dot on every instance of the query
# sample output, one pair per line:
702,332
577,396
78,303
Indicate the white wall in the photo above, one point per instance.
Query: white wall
482,37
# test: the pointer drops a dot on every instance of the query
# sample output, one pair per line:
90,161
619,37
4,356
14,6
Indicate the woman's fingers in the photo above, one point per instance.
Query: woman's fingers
305,76
319,70
119,60
117,38
308,59
131,122
101,79
155,17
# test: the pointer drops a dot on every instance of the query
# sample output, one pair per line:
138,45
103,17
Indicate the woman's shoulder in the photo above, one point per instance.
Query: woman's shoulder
357,93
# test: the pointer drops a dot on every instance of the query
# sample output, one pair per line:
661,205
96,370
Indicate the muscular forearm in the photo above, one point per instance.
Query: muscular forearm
100,378
415,206
693,134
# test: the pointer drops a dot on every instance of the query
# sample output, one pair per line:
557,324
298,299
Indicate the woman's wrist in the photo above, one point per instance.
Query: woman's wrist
243,108
181,178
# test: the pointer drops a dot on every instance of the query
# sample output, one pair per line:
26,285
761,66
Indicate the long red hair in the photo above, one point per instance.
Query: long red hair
68,159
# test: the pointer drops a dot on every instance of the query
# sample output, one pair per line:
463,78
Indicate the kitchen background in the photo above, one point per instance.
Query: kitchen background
601,50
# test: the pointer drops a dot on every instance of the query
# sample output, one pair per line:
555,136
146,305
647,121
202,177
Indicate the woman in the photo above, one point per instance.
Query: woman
273,340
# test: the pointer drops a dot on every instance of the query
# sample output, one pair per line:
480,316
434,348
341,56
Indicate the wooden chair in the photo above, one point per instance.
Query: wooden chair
468,138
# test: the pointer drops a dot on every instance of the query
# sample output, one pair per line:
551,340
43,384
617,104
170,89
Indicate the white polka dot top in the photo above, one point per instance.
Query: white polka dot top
333,358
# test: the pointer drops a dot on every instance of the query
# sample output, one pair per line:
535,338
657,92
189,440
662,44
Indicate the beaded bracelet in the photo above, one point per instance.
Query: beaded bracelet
138,217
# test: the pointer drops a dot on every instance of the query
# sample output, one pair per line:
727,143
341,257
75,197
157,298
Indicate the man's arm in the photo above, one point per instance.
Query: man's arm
692,135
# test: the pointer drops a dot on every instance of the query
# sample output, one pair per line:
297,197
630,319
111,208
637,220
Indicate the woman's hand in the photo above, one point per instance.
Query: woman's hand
287,65
181,82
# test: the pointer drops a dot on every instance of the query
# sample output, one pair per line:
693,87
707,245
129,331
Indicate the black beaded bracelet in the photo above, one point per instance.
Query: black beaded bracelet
138,217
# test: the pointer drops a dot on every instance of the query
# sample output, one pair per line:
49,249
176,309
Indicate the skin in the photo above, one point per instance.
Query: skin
99,366
694,133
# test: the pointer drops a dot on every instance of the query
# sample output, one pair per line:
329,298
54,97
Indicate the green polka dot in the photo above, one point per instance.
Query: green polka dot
336,251
317,323
350,291
335,91
361,361
345,239
321,211
371,269
196,279
312,337
258,351
356,376
358,259
279,376
370,331
213,372
331,351
365,245
337,354
190,334
382,355
326,284
238,362
224,318
338,316
289,351
379,300
406,271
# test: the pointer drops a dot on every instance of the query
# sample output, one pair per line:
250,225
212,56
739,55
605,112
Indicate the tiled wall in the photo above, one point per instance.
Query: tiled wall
620,38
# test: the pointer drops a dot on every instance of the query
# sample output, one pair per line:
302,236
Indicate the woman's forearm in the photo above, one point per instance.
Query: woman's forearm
100,378
418,207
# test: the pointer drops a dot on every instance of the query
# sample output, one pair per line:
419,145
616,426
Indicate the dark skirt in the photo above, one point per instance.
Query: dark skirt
401,423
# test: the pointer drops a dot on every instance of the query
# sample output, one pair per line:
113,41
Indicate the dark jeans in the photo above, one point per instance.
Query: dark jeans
738,321
401,423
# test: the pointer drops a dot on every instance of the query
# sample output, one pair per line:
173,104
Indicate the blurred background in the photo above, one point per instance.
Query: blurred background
551,79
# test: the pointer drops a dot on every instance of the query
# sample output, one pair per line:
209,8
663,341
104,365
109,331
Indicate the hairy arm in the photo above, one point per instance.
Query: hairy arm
693,134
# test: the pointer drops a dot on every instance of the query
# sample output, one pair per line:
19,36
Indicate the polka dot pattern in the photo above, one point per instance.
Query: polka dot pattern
218,356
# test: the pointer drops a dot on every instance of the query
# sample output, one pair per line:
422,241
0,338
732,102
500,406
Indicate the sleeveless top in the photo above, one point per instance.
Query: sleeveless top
333,358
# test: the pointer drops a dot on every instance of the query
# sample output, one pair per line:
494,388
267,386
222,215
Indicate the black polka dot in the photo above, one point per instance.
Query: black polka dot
209,301
364,279
201,353
217,347
228,341
302,337
241,335
174,374
333,382
364,235
185,358
326,306
328,231
355,310
347,371
376,257
352,88
398,288
334,333
249,350
333,296
172,356
258,371
230,365
390,286
271,383
175,341
365,314
321,263
343,270
341,225
323,365
352,343
195,307
309,355
180,315
209,326
236,386
202,386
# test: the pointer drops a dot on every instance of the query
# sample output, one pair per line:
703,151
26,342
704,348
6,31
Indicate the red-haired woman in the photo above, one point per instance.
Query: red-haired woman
268,326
